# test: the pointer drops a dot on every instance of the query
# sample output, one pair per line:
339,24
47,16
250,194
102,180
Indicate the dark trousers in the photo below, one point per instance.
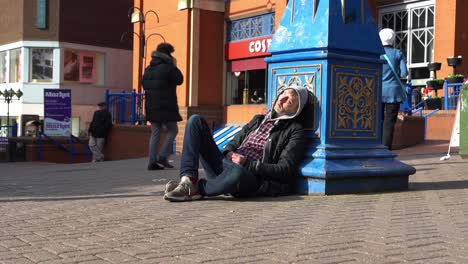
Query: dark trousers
223,175
390,114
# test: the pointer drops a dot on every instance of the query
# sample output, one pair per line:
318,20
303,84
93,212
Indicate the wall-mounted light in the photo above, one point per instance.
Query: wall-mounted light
237,74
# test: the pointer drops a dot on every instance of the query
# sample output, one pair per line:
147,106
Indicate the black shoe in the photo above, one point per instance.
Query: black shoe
155,166
165,163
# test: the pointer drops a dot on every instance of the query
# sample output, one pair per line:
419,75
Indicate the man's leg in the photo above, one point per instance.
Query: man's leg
166,148
153,146
93,147
390,117
234,179
99,148
198,142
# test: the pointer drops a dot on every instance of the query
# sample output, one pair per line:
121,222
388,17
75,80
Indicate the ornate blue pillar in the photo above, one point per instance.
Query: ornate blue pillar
332,47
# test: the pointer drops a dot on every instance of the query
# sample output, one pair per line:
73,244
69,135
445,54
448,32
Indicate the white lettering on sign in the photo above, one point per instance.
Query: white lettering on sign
259,45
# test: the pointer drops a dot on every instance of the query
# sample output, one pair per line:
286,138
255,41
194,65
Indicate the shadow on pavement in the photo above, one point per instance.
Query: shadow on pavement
434,186
76,198
255,199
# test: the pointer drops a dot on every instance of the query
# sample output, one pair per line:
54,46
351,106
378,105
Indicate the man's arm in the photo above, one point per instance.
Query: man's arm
91,125
108,121
235,143
291,156
176,76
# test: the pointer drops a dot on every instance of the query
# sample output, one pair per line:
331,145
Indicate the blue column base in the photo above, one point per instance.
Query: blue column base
306,185
354,169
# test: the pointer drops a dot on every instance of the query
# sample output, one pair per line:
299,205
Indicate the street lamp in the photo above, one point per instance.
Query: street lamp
8,97
136,16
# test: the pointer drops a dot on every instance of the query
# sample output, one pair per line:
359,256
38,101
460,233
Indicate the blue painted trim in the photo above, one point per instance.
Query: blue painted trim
319,55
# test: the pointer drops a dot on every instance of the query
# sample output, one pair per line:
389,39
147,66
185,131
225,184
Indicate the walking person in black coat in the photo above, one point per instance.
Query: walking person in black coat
98,130
159,81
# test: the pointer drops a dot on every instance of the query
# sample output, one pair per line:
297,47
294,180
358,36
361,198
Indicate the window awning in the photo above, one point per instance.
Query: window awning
247,64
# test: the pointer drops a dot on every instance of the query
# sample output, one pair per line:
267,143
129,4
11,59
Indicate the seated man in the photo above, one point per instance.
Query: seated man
262,159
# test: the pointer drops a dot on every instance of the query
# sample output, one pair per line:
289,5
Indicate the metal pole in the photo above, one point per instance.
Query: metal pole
8,116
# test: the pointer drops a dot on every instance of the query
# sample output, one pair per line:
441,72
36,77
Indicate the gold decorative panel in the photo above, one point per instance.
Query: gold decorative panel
354,102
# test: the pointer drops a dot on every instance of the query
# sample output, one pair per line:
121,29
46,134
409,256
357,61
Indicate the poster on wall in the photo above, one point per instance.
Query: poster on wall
42,64
79,66
57,112
71,67
87,67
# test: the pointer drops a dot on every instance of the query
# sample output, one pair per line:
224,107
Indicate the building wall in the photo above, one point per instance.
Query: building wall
173,27
99,23
210,63
461,35
445,31
247,8
30,32
11,21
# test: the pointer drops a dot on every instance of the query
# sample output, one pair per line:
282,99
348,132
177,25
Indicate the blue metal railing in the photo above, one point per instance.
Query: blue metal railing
71,149
125,107
451,93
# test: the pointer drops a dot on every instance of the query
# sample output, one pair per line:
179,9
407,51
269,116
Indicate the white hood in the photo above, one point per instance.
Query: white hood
303,96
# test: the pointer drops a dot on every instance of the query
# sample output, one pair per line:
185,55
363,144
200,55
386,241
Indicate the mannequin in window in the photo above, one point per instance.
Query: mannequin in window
255,99
71,70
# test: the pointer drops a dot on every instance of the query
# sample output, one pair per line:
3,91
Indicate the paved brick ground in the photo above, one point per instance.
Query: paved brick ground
113,212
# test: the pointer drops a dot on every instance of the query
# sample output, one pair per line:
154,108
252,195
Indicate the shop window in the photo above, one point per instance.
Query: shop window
414,27
247,87
3,67
42,64
15,65
252,27
83,67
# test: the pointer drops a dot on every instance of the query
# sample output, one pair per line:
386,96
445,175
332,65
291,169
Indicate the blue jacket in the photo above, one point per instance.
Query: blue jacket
392,91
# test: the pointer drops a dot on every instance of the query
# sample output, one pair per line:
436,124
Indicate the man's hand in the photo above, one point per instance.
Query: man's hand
238,158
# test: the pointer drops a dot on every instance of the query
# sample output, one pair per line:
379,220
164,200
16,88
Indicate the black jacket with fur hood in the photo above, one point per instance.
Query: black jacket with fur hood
159,81
283,151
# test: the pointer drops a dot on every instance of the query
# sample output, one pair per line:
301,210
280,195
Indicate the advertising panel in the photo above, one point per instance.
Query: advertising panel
57,112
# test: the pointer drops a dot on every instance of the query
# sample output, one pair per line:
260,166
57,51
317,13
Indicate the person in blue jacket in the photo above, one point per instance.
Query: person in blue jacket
392,92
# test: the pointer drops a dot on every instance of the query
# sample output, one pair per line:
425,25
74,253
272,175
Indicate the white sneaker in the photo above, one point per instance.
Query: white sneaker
185,191
170,186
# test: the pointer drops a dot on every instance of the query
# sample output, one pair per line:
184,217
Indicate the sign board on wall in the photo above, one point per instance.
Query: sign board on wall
248,48
57,112
79,66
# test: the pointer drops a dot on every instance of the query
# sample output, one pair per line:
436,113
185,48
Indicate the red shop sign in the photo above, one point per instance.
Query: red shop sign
248,48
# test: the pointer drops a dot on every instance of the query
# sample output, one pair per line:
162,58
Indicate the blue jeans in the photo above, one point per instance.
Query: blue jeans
223,175
166,148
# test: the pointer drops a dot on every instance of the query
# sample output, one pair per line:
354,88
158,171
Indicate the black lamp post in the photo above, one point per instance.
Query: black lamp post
8,97
136,16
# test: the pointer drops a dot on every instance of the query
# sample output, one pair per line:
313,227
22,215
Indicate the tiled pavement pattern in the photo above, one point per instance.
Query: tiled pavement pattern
113,212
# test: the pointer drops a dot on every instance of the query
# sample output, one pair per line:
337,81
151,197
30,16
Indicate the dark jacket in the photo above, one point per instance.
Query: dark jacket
159,81
101,124
283,151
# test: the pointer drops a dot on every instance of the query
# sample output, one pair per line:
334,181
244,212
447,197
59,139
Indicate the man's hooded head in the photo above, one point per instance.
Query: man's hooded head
289,102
